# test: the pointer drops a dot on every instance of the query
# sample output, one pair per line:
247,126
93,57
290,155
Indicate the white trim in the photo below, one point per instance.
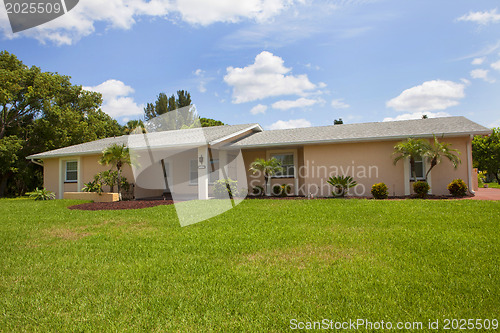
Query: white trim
227,137
203,174
66,180
406,170
62,174
469,164
381,138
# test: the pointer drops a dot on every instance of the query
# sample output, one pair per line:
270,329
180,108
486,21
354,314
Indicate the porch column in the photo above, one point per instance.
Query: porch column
469,164
407,176
203,173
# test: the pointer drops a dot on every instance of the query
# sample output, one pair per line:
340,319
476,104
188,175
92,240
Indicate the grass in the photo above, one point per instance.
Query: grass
490,185
253,268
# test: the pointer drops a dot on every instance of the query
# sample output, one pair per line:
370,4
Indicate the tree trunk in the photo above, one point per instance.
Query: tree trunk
3,183
496,176
265,186
118,185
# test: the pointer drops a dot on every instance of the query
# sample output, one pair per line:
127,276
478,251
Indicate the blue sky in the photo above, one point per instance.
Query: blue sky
280,63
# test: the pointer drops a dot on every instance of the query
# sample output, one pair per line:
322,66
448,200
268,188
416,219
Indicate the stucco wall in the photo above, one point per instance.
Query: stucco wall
367,162
51,175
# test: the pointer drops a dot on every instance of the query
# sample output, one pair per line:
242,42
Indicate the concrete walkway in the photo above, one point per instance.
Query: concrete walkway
487,194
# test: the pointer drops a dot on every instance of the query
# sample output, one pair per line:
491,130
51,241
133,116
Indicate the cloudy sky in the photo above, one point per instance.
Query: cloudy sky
280,63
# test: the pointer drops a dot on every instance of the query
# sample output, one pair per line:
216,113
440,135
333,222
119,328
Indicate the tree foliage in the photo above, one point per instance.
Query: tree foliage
207,122
40,111
267,167
486,153
164,104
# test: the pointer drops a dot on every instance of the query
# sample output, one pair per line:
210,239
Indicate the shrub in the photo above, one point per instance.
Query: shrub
42,194
421,189
457,188
225,187
380,191
281,190
94,186
341,184
258,191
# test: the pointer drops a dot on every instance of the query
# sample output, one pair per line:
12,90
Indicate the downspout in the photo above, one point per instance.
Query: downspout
469,164
36,162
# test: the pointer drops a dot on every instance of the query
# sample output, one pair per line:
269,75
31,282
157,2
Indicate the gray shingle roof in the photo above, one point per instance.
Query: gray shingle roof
166,138
449,126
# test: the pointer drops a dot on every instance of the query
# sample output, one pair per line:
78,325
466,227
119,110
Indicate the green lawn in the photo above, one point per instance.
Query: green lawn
490,185
253,269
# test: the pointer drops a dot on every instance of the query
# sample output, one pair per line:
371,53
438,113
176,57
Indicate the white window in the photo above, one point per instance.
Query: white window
193,172
419,169
287,164
71,172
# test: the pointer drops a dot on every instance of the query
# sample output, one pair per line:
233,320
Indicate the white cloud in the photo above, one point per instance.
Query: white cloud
482,18
430,95
478,61
339,104
481,74
417,115
202,80
266,77
207,12
299,103
293,123
122,14
116,100
496,65
259,108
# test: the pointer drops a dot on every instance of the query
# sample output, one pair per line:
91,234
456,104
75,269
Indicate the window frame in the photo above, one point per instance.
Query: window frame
288,153
422,161
66,180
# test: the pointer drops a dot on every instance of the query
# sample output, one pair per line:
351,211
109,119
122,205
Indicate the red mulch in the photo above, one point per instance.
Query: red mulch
117,205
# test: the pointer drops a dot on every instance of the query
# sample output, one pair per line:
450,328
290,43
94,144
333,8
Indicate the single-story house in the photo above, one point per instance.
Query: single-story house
189,161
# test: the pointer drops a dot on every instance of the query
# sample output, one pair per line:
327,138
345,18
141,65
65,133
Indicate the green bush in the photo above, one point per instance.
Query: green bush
42,194
225,187
421,189
457,188
341,184
258,191
282,190
380,191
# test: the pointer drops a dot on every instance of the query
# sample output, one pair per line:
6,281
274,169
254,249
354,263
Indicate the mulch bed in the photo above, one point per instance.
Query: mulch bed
118,205
138,204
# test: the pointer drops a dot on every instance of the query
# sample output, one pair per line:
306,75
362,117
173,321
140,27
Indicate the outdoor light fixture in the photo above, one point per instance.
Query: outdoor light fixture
201,166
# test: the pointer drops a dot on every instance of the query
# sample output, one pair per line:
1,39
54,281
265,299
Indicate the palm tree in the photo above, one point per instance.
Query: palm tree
117,156
438,151
269,168
412,149
133,125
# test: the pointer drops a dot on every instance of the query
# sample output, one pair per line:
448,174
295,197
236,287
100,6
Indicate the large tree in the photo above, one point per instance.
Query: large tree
164,104
40,111
486,153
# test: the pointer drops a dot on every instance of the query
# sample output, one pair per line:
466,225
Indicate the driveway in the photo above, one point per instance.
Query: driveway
487,194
